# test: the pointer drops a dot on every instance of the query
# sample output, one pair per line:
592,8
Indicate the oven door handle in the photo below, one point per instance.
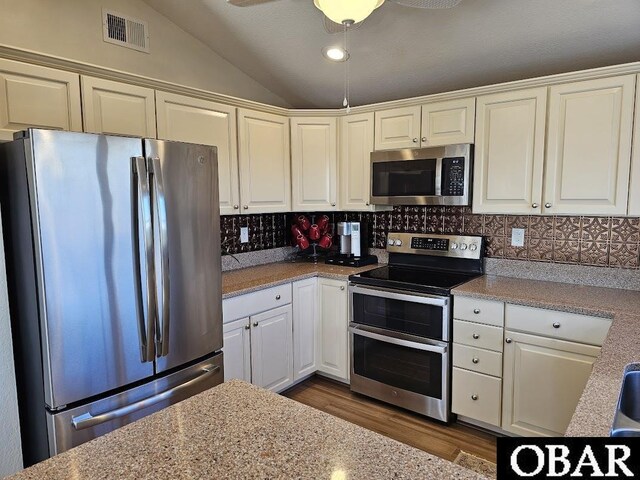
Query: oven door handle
394,295
389,338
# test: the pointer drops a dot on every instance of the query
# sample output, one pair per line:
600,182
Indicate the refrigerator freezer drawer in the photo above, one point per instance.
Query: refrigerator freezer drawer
81,424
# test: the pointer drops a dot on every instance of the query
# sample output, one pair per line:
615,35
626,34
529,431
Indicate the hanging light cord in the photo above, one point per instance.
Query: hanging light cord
345,102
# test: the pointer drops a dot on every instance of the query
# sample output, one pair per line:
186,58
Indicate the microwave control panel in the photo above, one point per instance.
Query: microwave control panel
453,176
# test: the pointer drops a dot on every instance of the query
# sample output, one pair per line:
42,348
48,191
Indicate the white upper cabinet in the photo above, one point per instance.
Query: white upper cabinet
446,123
118,108
314,163
32,96
265,167
634,192
397,128
356,145
509,152
589,146
187,119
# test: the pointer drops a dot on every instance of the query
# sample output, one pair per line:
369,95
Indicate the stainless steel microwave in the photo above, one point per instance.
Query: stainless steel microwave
422,176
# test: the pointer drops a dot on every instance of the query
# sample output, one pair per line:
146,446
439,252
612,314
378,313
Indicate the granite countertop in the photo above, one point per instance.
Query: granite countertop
237,430
245,280
596,408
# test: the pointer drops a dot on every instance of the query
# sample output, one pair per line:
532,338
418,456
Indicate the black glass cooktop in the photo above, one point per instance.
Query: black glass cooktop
414,279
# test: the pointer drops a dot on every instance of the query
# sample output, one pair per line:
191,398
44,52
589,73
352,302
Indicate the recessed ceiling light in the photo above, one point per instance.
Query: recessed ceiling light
335,54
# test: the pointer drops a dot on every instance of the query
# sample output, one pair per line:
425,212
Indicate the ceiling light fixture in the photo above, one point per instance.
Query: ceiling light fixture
335,54
352,11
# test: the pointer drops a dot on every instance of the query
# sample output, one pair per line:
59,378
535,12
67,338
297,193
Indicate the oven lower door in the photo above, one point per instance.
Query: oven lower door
404,370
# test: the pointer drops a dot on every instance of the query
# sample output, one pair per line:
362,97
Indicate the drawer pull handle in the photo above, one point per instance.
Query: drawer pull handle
255,324
508,340
475,336
475,359
277,297
247,326
476,311
556,325
474,397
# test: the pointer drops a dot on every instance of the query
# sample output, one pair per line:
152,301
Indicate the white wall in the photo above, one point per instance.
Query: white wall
10,450
72,29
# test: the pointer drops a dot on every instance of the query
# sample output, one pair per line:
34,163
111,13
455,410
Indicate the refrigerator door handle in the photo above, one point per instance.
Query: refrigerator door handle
142,206
86,420
162,337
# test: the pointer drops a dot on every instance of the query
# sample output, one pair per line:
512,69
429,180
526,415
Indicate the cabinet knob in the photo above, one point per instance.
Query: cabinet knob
367,204
255,324
415,140
476,311
556,325
236,207
424,139
342,288
277,297
474,397
547,205
247,326
246,207
475,360
333,204
475,336
534,205
508,340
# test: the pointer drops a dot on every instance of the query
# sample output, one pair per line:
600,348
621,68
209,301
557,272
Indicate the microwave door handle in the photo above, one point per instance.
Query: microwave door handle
141,207
161,212
398,341
438,176
392,295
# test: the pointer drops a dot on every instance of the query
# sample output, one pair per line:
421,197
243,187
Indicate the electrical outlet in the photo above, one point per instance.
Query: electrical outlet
517,237
244,234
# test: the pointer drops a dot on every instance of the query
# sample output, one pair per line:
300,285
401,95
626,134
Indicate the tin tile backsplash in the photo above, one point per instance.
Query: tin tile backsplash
600,241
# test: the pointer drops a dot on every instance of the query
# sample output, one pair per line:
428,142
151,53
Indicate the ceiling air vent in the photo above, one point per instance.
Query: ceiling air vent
125,31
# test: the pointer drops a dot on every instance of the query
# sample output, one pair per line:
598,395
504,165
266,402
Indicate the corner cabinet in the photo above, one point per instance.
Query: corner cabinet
187,119
509,152
589,146
314,164
40,97
634,188
115,108
334,327
265,167
356,145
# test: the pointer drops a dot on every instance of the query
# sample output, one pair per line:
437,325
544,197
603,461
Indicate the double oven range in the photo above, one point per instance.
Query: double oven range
401,320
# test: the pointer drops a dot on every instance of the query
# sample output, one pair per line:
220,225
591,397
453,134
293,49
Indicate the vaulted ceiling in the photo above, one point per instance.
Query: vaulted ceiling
401,52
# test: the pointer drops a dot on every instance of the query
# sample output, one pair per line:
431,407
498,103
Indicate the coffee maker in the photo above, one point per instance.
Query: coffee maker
353,246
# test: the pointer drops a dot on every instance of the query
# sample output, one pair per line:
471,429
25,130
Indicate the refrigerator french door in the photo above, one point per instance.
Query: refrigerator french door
115,280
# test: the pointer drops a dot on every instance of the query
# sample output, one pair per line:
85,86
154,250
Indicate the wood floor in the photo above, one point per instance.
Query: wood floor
444,441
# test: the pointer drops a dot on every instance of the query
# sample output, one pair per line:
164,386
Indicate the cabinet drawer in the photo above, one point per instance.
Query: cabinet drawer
255,302
477,396
554,324
477,359
477,335
489,312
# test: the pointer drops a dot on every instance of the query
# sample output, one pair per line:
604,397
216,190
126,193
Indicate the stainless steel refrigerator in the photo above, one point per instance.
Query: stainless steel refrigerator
113,258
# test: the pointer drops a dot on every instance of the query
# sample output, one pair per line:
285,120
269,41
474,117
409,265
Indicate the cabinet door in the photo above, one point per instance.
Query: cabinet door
334,324
397,128
236,347
509,152
32,96
117,108
356,145
543,380
271,349
446,123
589,147
314,164
265,167
305,327
187,119
634,193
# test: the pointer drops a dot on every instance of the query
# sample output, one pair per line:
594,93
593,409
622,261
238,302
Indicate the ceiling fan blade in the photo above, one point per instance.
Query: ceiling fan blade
432,4
247,3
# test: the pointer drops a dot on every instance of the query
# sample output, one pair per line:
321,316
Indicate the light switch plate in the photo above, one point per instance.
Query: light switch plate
244,234
517,237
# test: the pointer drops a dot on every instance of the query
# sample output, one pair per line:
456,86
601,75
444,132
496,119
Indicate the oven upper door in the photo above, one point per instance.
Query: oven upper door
411,313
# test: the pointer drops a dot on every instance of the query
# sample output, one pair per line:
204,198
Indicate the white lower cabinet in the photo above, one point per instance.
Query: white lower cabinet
236,338
334,328
305,327
543,381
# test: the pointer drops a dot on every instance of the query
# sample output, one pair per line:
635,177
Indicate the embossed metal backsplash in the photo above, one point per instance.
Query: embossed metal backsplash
600,241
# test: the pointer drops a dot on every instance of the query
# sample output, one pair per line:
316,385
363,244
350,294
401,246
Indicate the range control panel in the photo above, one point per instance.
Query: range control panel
457,246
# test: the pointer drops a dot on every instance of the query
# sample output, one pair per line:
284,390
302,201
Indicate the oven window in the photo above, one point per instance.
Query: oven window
399,315
397,366
404,178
